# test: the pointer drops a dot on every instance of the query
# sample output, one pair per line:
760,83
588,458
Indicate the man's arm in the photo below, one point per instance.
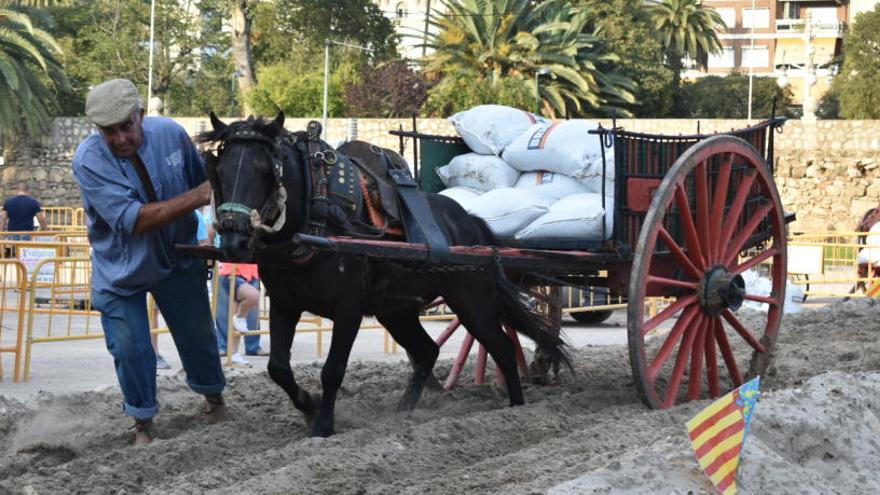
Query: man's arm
155,215
41,218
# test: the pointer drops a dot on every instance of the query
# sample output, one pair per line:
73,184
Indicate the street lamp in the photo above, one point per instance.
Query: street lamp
543,71
150,64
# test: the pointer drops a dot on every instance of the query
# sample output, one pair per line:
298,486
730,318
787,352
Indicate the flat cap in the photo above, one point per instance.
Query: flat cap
112,102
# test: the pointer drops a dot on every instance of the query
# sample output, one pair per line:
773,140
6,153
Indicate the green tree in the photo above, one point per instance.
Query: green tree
714,97
299,91
627,31
107,39
31,76
288,29
496,47
685,28
857,86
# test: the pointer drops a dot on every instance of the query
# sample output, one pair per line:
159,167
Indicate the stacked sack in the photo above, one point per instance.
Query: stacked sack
529,177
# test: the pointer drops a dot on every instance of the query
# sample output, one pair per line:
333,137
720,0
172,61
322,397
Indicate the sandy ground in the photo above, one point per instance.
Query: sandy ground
815,430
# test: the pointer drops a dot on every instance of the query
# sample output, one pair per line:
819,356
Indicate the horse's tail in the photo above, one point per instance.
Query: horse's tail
519,314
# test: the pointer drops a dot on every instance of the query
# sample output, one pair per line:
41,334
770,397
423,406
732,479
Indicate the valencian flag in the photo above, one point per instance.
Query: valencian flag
719,432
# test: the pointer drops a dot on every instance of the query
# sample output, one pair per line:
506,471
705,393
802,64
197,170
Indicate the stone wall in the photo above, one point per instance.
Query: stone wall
827,171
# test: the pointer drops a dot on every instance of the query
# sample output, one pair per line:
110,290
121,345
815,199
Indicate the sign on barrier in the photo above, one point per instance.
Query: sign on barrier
31,257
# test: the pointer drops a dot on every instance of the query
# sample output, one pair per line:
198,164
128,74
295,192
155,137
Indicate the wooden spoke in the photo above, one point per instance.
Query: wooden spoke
692,240
745,265
680,361
721,186
732,220
727,354
702,193
742,331
671,339
682,258
748,229
712,360
680,303
695,380
671,282
763,299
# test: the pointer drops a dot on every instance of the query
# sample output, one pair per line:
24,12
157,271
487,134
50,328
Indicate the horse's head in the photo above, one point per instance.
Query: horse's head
245,174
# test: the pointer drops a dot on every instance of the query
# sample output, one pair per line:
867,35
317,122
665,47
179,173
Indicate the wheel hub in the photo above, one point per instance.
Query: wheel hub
720,290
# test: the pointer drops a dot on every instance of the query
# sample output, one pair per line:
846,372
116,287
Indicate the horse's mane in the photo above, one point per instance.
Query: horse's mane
252,123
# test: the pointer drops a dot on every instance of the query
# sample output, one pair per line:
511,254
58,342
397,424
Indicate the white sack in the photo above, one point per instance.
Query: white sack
488,129
464,196
480,172
576,217
757,285
566,148
550,183
507,210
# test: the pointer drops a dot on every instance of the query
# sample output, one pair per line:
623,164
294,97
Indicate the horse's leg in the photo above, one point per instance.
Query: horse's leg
484,323
346,323
282,328
408,331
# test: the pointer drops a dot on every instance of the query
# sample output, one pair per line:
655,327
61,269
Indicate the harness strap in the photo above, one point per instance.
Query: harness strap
420,224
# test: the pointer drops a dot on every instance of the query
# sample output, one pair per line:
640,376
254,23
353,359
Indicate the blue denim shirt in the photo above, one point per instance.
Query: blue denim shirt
124,262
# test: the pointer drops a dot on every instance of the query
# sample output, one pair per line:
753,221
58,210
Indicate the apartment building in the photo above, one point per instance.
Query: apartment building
797,42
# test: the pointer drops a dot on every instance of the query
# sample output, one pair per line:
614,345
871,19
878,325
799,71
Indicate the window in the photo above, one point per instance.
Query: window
758,57
728,15
723,60
401,10
823,15
757,18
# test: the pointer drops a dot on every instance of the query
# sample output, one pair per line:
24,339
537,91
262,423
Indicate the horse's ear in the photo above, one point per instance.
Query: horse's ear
279,121
216,123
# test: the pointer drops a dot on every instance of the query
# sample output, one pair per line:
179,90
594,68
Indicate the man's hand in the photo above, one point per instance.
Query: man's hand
154,215
204,192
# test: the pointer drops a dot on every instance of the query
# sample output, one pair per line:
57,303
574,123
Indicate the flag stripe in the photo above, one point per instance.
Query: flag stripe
727,483
710,415
725,453
716,431
729,430
725,469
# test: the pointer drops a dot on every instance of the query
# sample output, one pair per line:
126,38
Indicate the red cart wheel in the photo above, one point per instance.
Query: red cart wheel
715,215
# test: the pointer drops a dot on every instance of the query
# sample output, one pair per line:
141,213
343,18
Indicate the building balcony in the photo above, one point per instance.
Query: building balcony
821,29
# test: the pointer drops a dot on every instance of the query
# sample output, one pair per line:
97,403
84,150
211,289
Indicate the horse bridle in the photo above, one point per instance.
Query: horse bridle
271,216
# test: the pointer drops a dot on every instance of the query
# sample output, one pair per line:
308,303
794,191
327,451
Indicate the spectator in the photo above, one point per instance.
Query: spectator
141,178
247,295
19,212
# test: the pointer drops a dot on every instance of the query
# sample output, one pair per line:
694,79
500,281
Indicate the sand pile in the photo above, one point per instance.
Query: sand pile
814,431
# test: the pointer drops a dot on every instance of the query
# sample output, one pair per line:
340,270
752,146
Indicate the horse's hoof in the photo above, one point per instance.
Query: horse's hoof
321,432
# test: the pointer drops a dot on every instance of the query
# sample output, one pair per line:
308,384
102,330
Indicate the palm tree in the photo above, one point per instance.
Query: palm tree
496,48
30,73
685,27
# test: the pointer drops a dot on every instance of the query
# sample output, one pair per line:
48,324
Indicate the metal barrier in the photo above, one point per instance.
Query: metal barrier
60,217
308,323
60,304
826,264
13,290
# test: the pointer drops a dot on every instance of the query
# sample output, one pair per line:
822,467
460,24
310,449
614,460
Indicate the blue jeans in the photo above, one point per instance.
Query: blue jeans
251,342
182,297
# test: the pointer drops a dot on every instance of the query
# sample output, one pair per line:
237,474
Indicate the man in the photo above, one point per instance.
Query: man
141,180
20,210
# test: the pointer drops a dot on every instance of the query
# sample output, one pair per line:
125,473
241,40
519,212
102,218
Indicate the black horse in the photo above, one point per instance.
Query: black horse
265,194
